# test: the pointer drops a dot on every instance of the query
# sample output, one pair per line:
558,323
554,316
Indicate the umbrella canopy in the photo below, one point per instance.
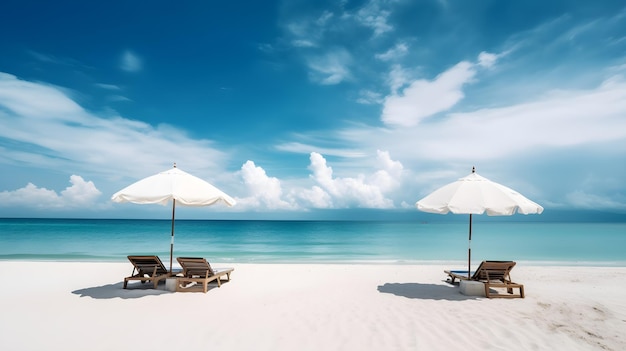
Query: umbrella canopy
475,194
176,185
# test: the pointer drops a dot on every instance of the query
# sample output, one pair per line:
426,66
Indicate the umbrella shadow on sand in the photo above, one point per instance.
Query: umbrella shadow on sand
424,291
110,291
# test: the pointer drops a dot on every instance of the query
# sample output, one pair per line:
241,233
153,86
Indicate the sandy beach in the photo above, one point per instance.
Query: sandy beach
82,306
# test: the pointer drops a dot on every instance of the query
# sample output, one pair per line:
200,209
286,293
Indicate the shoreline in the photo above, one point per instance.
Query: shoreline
460,264
81,305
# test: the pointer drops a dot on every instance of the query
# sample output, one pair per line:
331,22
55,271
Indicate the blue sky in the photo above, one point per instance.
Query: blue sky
300,107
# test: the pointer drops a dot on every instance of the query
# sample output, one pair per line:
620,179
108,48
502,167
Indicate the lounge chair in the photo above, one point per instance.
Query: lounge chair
493,274
147,268
198,270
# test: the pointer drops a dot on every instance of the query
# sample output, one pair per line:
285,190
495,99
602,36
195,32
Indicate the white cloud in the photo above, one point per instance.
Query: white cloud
324,19
315,197
264,191
389,177
369,97
308,32
302,148
411,101
423,98
374,16
558,119
303,43
81,194
486,59
399,50
59,133
326,191
130,62
108,86
398,77
331,68
35,100
352,191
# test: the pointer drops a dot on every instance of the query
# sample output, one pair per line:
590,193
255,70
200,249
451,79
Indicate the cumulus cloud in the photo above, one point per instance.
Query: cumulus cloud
130,62
81,194
359,191
263,191
327,191
389,176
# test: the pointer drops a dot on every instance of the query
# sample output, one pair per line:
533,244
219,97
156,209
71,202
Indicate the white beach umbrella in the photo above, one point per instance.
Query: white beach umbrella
475,194
176,185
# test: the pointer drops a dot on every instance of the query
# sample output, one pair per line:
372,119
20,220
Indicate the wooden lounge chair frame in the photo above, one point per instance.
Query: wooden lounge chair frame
198,270
493,274
147,268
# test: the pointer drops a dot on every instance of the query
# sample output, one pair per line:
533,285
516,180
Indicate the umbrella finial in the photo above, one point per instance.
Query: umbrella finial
473,168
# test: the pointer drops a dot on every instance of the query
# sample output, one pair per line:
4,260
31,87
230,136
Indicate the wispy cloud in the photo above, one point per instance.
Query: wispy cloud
487,60
369,97
399,50
375,15
302,148
327,40
560,118
52,59
119,148
112,87
57,132
303,43
331,68
424,98
130,62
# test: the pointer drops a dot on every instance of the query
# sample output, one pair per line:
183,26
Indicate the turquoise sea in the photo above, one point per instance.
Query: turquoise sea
602,244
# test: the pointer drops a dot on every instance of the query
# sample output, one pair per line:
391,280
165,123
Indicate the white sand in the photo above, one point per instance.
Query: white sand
82,306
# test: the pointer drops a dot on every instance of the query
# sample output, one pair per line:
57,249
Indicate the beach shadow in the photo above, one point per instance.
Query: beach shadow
425,291
111,291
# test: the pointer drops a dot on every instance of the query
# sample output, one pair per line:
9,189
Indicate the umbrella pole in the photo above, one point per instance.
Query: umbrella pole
172,241
469,249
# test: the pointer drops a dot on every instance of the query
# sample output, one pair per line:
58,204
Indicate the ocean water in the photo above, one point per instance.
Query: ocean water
602,244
